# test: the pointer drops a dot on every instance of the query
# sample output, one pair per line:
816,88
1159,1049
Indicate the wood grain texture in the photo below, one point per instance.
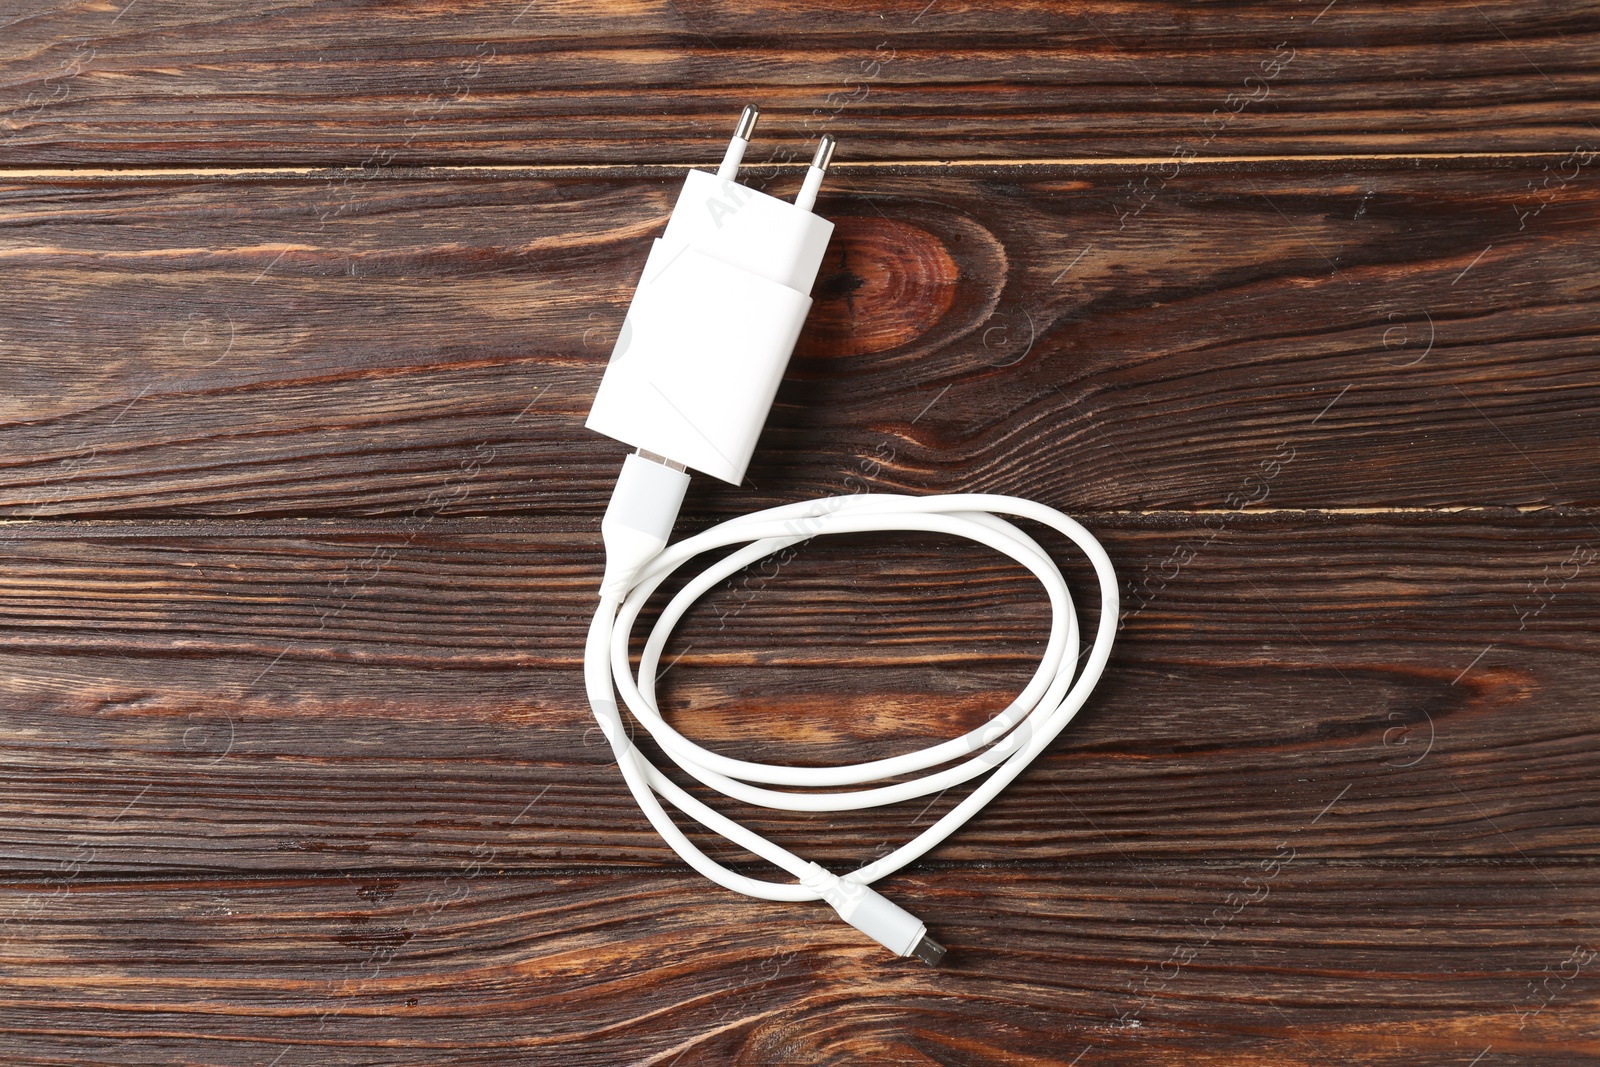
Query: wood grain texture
1280,960
1293,303
290,697
364,84
1379,338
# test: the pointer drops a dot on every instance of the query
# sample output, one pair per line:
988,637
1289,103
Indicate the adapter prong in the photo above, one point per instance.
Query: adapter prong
824,154
747,122
729,170
819,167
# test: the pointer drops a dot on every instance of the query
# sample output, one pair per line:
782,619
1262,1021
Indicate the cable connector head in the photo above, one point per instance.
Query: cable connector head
638,521
875,915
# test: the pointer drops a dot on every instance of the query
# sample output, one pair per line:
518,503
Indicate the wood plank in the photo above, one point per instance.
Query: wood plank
312,696
238,83
1282,960
1408,338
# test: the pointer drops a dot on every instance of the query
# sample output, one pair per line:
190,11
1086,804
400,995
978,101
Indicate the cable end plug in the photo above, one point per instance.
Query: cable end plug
881,919
638,522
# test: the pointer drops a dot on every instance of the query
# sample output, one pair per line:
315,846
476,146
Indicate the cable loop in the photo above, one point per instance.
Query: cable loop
1000,748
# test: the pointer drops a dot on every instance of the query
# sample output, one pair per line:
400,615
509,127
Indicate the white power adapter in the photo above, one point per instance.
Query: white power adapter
716,314
718,309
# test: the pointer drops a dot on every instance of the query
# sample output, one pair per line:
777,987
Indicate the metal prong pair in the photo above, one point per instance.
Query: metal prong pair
729,170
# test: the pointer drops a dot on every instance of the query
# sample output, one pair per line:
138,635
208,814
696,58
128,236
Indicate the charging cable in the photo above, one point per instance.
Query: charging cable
713,321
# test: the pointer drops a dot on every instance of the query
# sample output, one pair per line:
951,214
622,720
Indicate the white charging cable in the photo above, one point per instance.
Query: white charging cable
688,390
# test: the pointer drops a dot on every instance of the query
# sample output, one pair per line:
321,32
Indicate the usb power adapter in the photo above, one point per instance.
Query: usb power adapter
717,311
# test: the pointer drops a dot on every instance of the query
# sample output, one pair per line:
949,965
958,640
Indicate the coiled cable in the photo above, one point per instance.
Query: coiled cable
1001,748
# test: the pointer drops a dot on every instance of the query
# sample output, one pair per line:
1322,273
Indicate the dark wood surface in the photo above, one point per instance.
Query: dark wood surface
252,84
304,308
440,696
481,967
233,353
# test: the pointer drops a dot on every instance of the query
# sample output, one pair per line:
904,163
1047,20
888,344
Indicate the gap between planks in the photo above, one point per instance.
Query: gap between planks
14,877
288,525
535,170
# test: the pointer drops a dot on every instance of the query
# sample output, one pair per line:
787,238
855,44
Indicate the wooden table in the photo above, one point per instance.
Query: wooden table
1294,305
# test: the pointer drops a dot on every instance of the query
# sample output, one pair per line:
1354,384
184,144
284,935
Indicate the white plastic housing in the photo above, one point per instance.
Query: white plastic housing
875,915
638,522
716,315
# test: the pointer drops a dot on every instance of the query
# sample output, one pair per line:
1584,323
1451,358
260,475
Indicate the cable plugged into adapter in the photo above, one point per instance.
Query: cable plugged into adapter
707,337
